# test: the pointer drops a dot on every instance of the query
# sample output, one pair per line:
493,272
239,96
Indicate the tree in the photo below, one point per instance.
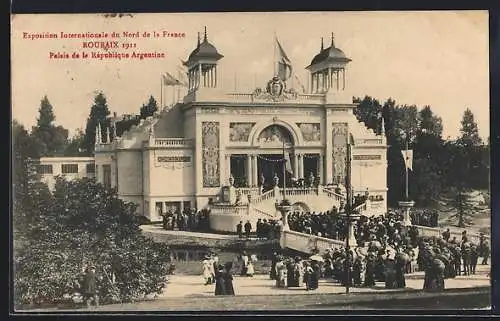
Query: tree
99,114
52,139
469,132
459,203
369,111
75,144
149,109
86,223
426,182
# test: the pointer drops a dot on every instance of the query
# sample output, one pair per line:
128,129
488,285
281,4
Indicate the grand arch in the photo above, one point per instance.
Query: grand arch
260,127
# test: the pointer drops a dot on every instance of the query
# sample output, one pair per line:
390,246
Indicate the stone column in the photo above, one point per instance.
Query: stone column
199,75
301,165
255,180
181,206
228,166
321,170
328,150
296,165
343,78
249,170
215,77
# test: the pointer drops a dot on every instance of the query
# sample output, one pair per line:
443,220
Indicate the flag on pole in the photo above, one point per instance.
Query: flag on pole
182,75
169,80
408,158
284,64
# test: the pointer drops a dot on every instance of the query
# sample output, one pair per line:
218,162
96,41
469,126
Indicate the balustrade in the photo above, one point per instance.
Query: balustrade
173,142
263,197
229,210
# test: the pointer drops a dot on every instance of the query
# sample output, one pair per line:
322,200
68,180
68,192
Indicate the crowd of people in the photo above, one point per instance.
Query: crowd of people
425,218
386,229
439,257
214,273
187,220
264,230
383,261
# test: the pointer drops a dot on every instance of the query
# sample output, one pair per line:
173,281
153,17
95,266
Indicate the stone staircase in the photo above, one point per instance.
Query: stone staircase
318,199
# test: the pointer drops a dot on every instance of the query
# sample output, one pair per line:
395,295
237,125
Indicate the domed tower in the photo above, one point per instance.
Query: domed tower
202,65
328,69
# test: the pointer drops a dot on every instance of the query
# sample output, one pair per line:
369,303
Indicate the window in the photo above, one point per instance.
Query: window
69,168
90,168
106,172
45,169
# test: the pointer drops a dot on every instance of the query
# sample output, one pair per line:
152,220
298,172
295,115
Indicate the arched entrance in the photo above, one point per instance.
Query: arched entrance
275,144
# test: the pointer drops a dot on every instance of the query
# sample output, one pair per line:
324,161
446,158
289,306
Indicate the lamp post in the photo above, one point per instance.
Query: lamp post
406,204
349,215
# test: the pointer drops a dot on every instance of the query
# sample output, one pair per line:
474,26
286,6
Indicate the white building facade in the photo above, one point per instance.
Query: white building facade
183,156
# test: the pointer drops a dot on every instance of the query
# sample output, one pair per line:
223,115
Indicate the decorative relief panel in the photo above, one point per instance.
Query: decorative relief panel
366,157
209,110
340,134
272,111
210,154
239,132
275,134
310,131
173,161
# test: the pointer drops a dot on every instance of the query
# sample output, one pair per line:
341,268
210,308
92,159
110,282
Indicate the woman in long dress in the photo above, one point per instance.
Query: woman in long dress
308,275
281,273
228,279
244,264
289,273
370,270
220,284
314,277
207,270
250,268
298,271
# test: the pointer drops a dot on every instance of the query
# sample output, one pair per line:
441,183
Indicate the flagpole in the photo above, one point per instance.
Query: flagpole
406,168
161,91
275,63
284,171
179,87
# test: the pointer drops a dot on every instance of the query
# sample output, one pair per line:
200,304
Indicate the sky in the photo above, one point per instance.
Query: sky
438,58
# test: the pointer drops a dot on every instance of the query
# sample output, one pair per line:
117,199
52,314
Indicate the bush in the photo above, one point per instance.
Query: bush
86,223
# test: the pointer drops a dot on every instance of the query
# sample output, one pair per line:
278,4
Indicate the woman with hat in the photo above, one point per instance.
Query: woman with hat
244,263
298,272
308,272
220,284
207,268
250,266
390,270
370,270
228,278
281,272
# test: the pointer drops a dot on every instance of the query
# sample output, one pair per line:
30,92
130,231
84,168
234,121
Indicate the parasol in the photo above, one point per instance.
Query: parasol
316,258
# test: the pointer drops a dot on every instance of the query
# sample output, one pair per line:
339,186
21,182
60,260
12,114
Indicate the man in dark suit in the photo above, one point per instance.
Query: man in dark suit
239,229
446,235
248,229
